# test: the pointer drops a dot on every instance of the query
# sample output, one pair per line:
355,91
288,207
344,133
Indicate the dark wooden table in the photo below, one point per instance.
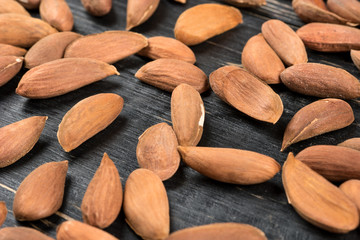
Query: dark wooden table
194,199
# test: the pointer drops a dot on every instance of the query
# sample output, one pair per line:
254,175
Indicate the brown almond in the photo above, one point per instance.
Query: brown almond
30,4
88,117
111,46
353,143
181,1
335,163
22,233
321,80
12,6
9,67
41,193
230,165
317,200
22,31
146,205
74,230
348,9
246,93
57,13
284,41
197,24
97,7
165,47
49,48
3,212
9,50
216,231
103,197
58,77
167,74
261,60
326,37
355,56
18,138
156,151
351,188
319,117
246,3
139,11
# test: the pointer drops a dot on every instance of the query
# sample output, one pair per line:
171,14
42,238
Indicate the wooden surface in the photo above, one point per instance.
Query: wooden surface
194,199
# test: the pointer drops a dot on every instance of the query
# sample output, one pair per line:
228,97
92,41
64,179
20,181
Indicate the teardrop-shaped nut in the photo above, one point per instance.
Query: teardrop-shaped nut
139,11
9,50
351,188
9,67
353,143
3,212
12,6
355,56
348,9
97,7
22,233
246,3
57,13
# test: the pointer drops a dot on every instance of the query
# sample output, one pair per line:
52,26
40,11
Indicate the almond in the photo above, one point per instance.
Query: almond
355,56
319,117
22,233
18,138
3,212
146,205
9,67
12,6
58,77
138,11
246,3
9,50
204,21
97,7
317,200
57,13
353,143
41,193
30,4
351,188
156,150
103,197
348,9
88,117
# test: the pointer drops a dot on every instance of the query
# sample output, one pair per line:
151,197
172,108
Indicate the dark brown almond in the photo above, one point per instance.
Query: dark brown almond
9,67
111,46
22,233
41,193
335,163
3,213
230,165
156,151
9,50
58,77
351,188
353,143
12,6
355,56
57,13
261,60
319,117
30,4
246,3
167,74
165,47
97,7
18,138
348,9
284,41
103,197
138,11
321,80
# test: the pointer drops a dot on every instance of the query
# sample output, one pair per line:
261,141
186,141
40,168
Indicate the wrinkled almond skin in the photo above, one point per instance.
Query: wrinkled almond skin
319,117
317,200
204,21
261,60
9,67
41,193
246,3
18,138
320,80
49,48
246,93
9,50
355,56
156,151
146,205
110,46
74,230
97,7
167,74
58,77
30,4
348,9
353,143
3,212
326,37
335,163
22,31
217,231
284,41
88,117
165,47
22,233
138,11
230,165
57,13
351,188
103,197
12,6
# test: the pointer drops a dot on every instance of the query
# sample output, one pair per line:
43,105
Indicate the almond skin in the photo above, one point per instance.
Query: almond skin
3,212
41,193
317,200
138,11
103,197
22,233
348,9
351,188
9,67
9,50
204,21
156,151
57,13
355,56
146,205
12,6
97,7
246,3
353,143
319,117
18,138
88,117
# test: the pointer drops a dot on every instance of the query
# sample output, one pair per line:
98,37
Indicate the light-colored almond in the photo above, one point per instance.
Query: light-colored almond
146,205
58,77
353,143
3,212
57,13
111,46
317,200
97,7
12,6
9,67
139,11
167,74
9,50
351,188
88,117
204,21
22,233
319,117
18,138
348,9
103,197
246,3
30,4
156,150
41,193
246,93
355,56
284,41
